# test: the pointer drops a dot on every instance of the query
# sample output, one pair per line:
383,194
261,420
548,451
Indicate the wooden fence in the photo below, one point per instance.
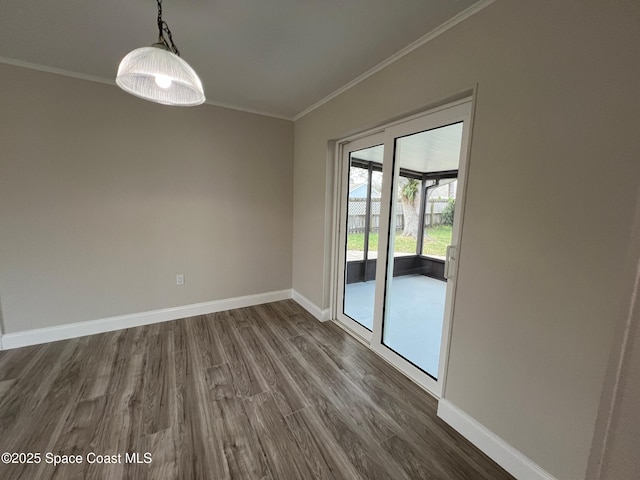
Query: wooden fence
356,221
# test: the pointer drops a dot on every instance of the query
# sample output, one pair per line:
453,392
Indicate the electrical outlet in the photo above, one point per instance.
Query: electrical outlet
180,279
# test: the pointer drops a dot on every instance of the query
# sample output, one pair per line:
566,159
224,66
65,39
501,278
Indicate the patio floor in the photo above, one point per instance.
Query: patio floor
413,327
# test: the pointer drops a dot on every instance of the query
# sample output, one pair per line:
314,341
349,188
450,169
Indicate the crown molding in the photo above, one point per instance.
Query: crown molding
475,8
109,81
56,71
453,21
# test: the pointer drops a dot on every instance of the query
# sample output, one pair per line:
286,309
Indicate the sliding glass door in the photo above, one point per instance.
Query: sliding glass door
359,230
399,237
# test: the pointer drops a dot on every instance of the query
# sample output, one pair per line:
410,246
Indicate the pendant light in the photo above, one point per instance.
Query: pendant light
158,74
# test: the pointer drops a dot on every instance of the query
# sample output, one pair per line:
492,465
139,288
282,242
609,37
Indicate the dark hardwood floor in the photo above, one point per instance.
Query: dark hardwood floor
264,392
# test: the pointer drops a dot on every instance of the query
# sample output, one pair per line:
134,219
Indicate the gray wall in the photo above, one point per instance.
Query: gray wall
621,458
538,288
104,198
615,453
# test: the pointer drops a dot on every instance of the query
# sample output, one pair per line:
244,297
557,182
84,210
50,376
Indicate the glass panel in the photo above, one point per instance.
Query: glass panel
357,210
438,218
363,217
414,301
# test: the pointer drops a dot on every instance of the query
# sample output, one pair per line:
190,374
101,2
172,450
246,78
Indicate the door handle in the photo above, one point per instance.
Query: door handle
450,256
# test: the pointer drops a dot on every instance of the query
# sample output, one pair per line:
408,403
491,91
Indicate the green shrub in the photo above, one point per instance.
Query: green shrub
446,217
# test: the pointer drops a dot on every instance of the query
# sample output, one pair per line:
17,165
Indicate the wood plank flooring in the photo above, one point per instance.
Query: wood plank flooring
265,392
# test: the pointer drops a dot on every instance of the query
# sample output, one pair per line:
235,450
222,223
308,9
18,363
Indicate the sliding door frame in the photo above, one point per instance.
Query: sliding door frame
342,147
391,171
343,200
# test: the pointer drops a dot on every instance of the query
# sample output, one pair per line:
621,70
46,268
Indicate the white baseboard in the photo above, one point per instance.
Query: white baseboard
80,329
493,446
312,308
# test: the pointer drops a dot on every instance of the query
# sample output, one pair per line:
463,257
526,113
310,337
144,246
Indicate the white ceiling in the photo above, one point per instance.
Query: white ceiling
436,150
278,57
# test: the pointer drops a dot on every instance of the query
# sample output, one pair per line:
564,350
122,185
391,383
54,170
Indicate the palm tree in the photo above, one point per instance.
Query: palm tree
409,195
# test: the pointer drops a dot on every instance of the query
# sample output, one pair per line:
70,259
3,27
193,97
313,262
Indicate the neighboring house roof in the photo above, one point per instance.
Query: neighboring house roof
361,192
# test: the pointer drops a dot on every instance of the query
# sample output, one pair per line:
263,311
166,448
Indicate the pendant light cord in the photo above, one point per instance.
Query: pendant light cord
164,28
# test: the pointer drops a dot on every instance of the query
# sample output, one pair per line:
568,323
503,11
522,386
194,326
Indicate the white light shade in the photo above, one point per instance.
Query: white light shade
160,76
